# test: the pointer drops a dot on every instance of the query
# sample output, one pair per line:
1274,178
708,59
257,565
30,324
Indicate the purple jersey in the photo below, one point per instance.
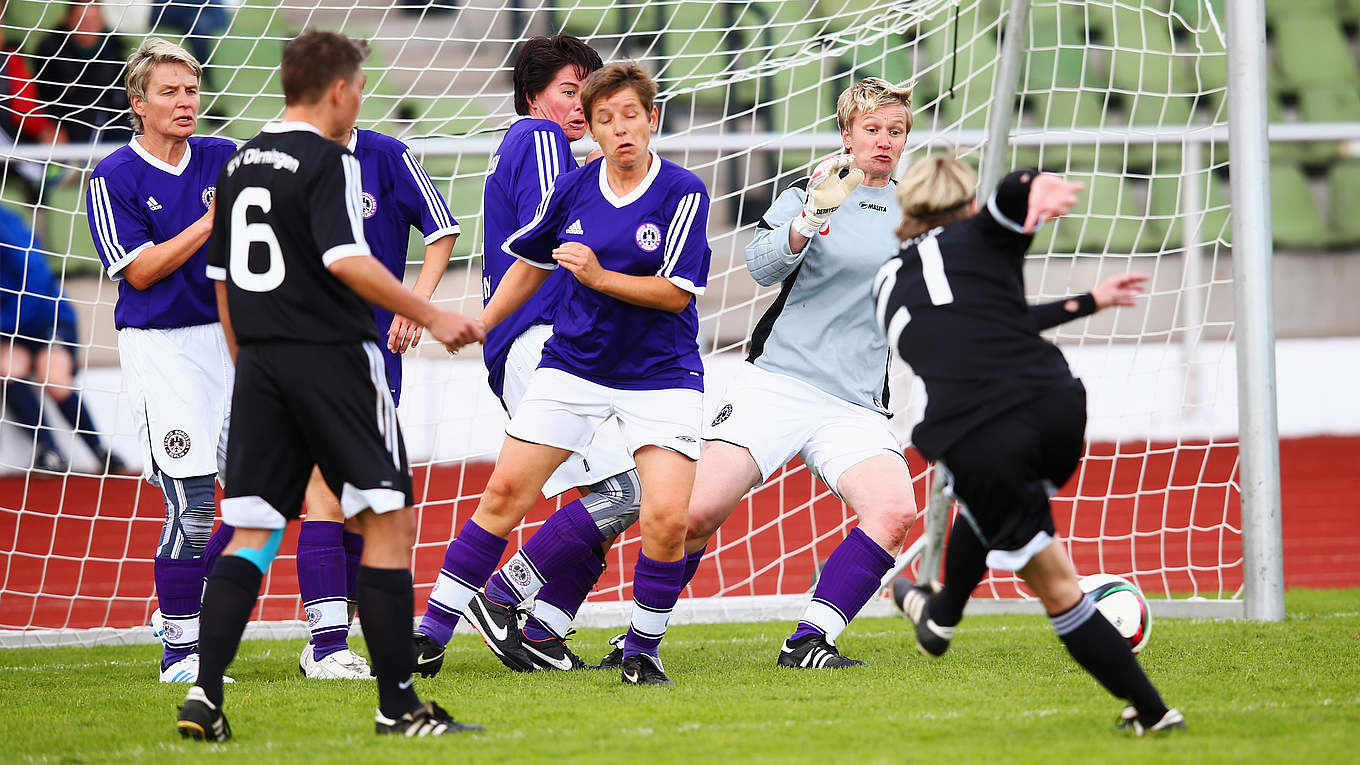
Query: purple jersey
136,201
658,229
398,195
531,156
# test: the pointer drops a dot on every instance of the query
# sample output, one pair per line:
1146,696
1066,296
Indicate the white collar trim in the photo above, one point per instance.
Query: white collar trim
288,127
635,194
160,164
353,142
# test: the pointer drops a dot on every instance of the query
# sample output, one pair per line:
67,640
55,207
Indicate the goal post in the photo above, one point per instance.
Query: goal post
1174,491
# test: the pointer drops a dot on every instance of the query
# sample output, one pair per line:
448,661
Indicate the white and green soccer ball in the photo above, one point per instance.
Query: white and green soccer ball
1123,605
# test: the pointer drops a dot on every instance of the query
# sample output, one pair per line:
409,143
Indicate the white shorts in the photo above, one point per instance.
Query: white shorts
563,410
180,381
606,456
775,416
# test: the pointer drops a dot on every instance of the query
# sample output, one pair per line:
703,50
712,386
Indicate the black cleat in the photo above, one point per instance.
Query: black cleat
644,669
1128,720
200,719
429,656
931,639
614,659
814,652
499,627
428,719
553,653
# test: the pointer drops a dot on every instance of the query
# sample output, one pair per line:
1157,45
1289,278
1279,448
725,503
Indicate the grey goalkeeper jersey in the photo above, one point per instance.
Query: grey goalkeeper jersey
821,328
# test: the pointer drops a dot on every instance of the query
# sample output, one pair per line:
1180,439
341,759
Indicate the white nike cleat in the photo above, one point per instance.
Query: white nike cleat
341,665
185,671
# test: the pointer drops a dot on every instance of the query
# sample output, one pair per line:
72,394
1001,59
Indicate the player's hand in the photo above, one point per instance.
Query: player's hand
455,330
403,335
581,261
1123,289
1049,196
826,192
594,154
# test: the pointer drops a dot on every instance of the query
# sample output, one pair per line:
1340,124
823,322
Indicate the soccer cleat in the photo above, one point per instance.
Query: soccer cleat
814,652
429,656
200,719
185,671
50,461
931,639
643,669
614,659
553,653
499,627
428,719
157,625
1128,720
341,665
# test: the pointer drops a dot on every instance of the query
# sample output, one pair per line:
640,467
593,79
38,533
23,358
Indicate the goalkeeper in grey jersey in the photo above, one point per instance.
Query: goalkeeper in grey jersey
816,385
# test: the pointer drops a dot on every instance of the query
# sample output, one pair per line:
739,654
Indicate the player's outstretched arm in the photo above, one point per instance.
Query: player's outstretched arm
160,260
372,282
519,284
647,291
404,333
1121,290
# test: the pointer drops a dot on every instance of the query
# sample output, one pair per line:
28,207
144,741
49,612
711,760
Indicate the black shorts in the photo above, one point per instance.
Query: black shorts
1005,470
299,404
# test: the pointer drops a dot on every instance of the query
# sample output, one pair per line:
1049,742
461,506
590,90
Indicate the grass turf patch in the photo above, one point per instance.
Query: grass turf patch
1006,692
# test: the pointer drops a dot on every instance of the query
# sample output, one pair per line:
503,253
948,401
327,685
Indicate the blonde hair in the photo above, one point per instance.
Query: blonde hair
867,96
933,192
140,64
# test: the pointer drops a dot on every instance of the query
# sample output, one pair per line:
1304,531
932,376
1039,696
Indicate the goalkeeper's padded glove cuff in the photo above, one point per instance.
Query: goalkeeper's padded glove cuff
808,226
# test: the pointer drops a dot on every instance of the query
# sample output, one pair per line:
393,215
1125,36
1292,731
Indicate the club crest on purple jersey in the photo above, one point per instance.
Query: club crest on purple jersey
209,193
370,204
648,237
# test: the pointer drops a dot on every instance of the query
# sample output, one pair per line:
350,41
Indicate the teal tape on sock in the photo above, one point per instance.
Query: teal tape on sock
263,556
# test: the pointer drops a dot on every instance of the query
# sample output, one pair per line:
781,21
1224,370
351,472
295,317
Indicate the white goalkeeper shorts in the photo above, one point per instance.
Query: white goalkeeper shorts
605,457
775,416
180,383
563,410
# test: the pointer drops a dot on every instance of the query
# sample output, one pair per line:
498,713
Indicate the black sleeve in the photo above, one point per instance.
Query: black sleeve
217,240
1009,204
1048,315
336,209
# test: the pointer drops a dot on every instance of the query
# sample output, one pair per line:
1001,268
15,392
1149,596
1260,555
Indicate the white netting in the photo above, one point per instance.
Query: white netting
1128,96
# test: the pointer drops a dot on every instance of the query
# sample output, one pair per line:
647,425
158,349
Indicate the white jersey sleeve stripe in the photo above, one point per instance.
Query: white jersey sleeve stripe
104,221
678,234
545,177
438,210
534,221
354,198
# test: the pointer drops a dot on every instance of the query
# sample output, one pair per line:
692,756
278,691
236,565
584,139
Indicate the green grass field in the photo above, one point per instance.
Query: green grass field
1007,692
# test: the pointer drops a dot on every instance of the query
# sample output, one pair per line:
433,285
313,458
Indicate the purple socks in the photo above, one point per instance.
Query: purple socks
656,587
322,582
469,560
179,593
851,576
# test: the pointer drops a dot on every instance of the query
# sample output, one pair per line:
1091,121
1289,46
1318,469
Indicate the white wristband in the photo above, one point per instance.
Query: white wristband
807,226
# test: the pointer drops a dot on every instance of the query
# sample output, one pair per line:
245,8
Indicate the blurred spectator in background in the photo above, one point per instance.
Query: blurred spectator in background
22,118
201,21
81,76
37,349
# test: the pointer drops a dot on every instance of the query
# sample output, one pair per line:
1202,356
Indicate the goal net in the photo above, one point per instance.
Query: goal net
1128,97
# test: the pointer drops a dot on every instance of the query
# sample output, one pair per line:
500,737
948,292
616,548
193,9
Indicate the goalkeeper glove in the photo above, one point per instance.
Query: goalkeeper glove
832,182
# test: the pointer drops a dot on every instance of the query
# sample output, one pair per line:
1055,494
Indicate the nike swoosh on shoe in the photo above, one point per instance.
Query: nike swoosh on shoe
497,634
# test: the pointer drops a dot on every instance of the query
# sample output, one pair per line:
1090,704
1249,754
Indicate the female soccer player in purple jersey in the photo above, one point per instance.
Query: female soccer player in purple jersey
150,208
631,229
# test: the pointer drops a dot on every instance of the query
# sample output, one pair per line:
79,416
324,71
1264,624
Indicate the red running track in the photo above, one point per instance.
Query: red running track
74,551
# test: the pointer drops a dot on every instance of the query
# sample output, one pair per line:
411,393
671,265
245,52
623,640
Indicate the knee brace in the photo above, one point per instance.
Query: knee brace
615,503
262,556
189,509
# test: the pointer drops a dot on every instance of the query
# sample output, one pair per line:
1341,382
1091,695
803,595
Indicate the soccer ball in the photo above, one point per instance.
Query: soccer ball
1120,602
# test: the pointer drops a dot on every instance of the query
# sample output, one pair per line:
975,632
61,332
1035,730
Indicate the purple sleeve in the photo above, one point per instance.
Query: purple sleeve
544,155
118,225
687,254
534,242
422,204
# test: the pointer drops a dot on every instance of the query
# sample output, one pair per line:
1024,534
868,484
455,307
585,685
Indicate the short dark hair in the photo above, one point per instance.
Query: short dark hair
315,59
540,60
609,80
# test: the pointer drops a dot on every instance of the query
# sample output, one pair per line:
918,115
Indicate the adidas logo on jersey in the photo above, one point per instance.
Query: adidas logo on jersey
575,228
152,204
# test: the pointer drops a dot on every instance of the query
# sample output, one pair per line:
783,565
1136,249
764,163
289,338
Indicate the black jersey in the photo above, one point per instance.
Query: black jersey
288,205
952,302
